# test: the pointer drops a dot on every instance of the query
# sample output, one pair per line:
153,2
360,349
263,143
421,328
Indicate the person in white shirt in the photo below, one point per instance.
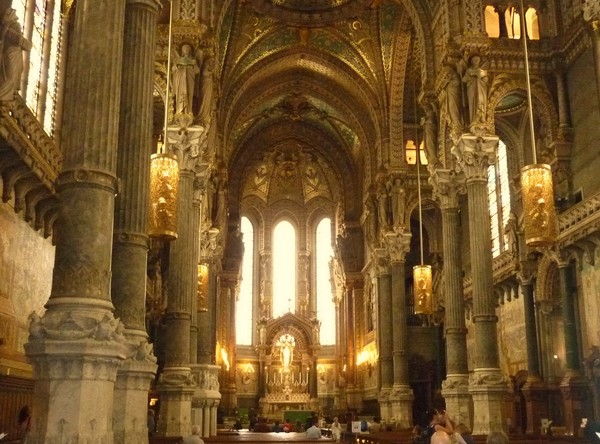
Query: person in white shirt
313,432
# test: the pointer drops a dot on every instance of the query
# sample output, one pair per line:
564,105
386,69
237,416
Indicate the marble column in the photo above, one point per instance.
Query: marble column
447,186
534,389
591,13
353,391
78,345
130,241
487,385
401,396
195,247
206,398
384,339
574,387
176,383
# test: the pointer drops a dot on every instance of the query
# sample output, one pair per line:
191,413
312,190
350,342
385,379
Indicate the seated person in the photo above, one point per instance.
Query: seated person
298,427
277,427
313,432
287,426
375,426
261,426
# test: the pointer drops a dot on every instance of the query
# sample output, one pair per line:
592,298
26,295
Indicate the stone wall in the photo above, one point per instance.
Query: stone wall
26,261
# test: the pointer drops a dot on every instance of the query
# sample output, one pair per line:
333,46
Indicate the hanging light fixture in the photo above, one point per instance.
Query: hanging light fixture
164,174
202,287
539,216
422,276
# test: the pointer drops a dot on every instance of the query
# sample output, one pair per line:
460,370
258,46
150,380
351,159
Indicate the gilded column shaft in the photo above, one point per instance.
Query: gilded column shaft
399,331
133,166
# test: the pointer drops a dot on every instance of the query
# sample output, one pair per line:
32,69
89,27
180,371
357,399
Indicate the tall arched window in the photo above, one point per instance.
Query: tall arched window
492,22
43,28
243,307
325,305
499,197
284,269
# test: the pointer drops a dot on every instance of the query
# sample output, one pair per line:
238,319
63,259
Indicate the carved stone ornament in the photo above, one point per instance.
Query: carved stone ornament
145,353
75,326
447,185
398,245
487,378
177,379
591,10
455,383
475,154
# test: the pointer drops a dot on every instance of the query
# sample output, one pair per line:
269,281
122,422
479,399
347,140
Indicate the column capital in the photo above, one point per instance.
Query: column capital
474,154
447,185
381,261
398,245
591,11
187,144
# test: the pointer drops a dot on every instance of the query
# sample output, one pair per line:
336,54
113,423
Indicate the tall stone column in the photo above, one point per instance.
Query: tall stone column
488,386
195,253
226,337
78,345
573,386
401,396
176,384
534,389
447,186
591,13
352,324
384,339
130,241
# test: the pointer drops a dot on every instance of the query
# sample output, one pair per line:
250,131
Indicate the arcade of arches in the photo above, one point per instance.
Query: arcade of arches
324,148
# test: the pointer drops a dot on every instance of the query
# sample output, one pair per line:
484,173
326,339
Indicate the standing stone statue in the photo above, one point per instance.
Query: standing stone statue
207,91
476,79
184,78
398,197
12,45
383,205
430,135
452,98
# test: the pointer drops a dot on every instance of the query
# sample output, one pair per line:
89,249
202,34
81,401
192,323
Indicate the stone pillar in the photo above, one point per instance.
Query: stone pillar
534,389
226,338
176,384
130,241
303,304
573,386
384,339
447,186
591,13
206,398
488,386
401,396
78,345
195,247
312,383
352,324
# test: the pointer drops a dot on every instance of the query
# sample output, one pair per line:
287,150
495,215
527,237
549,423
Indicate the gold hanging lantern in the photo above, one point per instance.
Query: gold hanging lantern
423,289
202,287
164,185
538,205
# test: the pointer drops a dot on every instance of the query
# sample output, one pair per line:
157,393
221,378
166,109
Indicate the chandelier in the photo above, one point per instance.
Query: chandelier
539,216
164,174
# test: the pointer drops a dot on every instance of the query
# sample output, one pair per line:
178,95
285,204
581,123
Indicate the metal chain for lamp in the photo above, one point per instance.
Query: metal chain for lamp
539,215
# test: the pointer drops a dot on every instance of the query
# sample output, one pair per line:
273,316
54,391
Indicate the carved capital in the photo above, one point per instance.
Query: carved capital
474,154
382,261
591,11
487,378
447,185
398,245
188,145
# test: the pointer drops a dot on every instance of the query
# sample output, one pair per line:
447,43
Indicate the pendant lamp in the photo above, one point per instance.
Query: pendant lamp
164,174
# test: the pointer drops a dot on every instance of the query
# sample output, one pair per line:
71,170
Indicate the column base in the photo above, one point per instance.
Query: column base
575,393
353,397
75,356
385,407
131,396
488,388
401,401
176,387
459,405
536,407
206,398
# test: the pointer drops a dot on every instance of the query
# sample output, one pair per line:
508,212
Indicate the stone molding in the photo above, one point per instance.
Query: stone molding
398,245
447,186
475,154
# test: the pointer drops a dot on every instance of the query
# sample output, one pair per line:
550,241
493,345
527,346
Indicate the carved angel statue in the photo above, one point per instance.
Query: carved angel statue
476,79
183,76
12,45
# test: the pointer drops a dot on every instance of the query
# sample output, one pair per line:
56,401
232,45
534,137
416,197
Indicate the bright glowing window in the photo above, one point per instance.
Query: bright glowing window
411,153
40,85
243,306
499,199
532,23
325,305
492,22
513,22
284,269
